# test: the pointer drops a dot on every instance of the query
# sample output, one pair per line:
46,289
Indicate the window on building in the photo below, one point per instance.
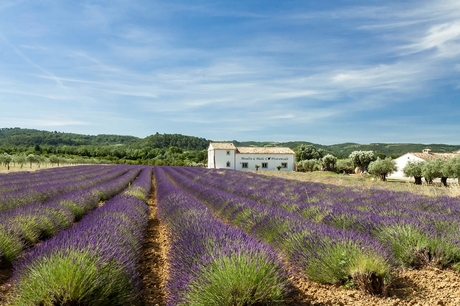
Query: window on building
264,165
228,164
284,165
228,152
244,165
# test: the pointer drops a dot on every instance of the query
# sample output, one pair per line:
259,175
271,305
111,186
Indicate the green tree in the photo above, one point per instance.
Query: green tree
382,167
414,169
308,165
305,152
362,159
6,159
329,162
344,166
433,169
54,160
175,150
453,168
31,158
20,159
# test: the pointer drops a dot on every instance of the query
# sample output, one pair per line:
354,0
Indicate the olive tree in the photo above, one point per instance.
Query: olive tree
414,169
344,166
31,158
362,159
433,169
308,165
54,160
6,159
452,167
20,159
382,167
329,162
305,152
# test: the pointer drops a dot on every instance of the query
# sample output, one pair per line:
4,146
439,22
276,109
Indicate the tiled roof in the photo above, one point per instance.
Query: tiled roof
222,146
265,150
250,150
431,156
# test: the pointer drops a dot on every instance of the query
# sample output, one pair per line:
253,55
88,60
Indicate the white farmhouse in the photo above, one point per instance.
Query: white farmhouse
224,155
426,154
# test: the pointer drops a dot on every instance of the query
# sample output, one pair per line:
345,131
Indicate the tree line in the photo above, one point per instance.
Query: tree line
157,149
310,158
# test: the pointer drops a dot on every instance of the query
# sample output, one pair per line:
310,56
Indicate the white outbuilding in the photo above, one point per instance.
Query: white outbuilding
425,155
225,155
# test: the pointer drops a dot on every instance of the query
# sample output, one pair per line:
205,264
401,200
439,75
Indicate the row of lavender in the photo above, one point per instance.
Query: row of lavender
419,229
210,262
93,262
21,188
322,252
22,226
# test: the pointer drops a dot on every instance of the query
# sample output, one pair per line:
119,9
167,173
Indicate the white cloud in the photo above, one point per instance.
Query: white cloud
443,37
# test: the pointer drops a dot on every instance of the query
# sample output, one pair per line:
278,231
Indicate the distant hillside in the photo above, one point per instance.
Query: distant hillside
18,137
31,137
174,140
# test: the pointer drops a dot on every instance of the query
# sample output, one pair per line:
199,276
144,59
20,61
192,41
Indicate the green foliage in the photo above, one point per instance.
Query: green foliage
6,159
153,149
344,166
165,141
451,168
414,169
411,246
329,162
433,169
362,159
158,149
11,245
308,165
73,279
238,280
306,152
382,167
344,262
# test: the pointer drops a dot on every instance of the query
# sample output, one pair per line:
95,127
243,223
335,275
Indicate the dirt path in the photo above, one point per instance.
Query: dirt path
153,267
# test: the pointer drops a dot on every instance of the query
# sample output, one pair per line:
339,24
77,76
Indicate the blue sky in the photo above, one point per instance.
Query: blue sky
321,71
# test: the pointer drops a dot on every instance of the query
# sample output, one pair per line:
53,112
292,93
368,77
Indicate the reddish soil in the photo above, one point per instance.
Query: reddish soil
153,264
428,286
6,272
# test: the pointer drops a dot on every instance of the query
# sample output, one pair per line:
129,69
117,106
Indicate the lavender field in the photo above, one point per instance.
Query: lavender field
351,237
78,236
73,235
